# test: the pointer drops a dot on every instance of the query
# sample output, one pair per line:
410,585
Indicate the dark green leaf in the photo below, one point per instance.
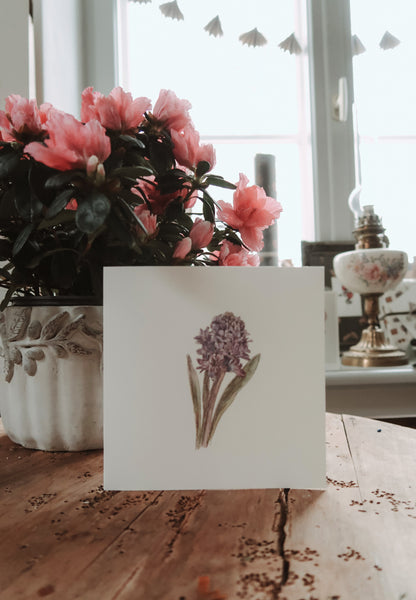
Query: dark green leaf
208,208
128,139
9,162
22,238
64,269
207,196
5,249
161,156
27,203
92,212
4,273
59,203
65,216
64,178
132,172
219,182
8,206
119,229
202,168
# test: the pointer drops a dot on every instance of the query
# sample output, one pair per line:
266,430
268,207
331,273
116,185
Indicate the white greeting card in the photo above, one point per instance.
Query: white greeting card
332,361
213,378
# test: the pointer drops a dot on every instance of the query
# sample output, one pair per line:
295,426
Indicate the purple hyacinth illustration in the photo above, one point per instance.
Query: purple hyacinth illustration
223,348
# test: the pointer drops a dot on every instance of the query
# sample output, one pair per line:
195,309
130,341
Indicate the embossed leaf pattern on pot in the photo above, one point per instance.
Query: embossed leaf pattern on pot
25,341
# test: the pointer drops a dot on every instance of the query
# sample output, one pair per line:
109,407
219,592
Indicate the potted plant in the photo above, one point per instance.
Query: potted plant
127,184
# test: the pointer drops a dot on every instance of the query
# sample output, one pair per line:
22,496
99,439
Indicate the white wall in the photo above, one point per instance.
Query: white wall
14,49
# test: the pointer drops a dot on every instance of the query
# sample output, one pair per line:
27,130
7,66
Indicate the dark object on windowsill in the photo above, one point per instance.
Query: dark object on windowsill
321,254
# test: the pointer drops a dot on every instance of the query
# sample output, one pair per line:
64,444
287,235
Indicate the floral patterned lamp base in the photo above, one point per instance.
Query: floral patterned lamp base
371,270
372,349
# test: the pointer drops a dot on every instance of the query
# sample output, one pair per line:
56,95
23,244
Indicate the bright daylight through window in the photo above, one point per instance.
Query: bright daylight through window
385,99
254,100
245,100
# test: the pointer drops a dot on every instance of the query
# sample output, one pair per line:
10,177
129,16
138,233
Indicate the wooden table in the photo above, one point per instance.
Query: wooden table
63,537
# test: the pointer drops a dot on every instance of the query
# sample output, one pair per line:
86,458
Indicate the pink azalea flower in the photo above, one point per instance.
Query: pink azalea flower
172,112
71,144
22,118
159,202
251,213
146,217
117,111
188,151
201,233
72,204
183,248
232,255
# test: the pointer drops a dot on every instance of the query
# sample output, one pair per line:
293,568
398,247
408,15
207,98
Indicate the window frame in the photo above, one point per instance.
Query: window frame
332,140
94,27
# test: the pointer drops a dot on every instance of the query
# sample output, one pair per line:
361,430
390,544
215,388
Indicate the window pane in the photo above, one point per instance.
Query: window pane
245,100
385,96
234,89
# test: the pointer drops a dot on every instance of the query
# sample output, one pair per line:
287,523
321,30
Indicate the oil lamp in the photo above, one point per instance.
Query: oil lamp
370,270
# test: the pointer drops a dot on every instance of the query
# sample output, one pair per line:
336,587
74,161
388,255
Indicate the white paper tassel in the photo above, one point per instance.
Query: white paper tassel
214,27
253,38
171,10
357,46
388,41
291,45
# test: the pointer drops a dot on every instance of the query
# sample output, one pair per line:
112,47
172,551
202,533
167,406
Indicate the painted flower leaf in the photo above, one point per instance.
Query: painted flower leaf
232,390
196,398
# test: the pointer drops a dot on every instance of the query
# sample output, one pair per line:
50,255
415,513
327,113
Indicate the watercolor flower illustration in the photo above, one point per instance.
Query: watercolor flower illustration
223,348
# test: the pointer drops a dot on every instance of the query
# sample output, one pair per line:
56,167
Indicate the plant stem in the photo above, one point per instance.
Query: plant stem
210,408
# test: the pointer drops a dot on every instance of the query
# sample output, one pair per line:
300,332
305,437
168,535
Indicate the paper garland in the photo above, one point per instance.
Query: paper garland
388,41
255,38
214,27
171,10
357,46
291,45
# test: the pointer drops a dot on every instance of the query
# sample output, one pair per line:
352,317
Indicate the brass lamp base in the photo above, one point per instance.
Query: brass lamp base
372,351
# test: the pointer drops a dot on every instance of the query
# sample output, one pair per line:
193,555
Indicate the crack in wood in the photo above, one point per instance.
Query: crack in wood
279,525
180,515
284,510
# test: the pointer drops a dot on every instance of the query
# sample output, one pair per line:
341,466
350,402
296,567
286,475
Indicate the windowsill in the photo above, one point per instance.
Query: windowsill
371,375
382,392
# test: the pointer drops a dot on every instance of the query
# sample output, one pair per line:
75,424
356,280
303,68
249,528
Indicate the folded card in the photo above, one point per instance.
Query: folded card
213,378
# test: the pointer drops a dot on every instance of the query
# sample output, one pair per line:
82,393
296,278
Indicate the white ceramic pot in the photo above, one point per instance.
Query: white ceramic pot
51,398
370,271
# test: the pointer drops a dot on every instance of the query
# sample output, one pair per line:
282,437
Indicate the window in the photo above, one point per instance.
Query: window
385,99
246,100
220,75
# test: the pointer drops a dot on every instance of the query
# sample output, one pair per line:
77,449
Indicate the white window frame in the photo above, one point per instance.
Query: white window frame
332,140
75,47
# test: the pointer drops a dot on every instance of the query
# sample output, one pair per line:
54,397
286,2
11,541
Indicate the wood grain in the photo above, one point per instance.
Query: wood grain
63,537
